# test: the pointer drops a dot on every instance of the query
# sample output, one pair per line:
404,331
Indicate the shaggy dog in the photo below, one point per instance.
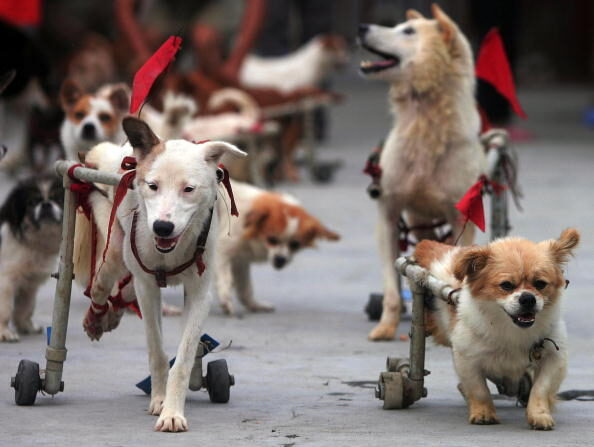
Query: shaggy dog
507,321
433,154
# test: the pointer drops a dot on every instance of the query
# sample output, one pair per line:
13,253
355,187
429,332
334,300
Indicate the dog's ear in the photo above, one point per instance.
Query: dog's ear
562,248
254,221
414,14
70,93
140,135
214,150
120,98
469,262
14,209
446,25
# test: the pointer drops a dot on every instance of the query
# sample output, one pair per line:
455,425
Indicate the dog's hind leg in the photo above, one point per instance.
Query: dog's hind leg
549,375
197,306
245,291
149,298
389,249
224,283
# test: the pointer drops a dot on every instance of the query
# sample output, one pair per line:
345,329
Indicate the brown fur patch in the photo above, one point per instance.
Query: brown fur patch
79,110
428,251
145,162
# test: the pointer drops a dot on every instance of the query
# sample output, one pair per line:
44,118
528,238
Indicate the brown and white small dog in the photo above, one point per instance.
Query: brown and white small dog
433,154
306,67
271,228
30,230
92,118
507,321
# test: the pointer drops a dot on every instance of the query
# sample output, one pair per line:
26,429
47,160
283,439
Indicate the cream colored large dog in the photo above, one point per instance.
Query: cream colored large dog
432,154
165,234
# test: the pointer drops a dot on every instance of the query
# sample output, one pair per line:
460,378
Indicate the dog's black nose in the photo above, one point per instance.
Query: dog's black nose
363,28
527,300
162,228
89,132
279,261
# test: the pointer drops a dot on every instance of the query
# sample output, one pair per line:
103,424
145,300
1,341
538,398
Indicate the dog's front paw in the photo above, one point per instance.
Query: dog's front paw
27,327
156,405
6,335
382,332
113,319
171,421
260,306
542,421
483,415
94,324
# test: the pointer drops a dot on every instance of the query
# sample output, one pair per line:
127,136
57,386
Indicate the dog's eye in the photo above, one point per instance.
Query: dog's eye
294,245
540,284
409,30
507,286
189,189
273,240
152,186
79,115
104,117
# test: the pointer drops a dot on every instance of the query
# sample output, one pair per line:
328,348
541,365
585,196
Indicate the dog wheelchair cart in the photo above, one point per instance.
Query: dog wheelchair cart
402,383
30,379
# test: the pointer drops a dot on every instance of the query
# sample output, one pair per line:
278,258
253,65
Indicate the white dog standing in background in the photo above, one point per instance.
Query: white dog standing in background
162,223
432,154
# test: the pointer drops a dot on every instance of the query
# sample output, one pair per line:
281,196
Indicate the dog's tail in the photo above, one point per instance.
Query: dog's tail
247,106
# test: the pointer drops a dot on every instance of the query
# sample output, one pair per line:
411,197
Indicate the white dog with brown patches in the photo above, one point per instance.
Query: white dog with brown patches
165,235
433,154
507,321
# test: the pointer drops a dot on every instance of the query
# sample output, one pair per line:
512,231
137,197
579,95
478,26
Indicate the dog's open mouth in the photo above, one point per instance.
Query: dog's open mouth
524,320
387,61
166,245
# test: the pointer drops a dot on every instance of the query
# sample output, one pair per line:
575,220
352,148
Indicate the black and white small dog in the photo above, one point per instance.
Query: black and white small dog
30,230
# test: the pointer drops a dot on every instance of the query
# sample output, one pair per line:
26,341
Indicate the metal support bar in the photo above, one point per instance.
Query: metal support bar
417,342
418,275
56,351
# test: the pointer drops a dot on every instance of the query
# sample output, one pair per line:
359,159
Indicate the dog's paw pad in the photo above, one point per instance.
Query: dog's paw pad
6,335
156,406
171,422
382,332
94,325
541,422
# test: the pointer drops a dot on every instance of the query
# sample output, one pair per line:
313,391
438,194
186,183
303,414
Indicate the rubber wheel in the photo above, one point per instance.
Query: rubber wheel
375,306
26,383
218,381
323,172
393,386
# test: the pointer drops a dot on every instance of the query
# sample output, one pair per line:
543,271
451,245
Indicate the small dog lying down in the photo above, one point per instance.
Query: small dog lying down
30,229
271,228
507,321
164,235
306,67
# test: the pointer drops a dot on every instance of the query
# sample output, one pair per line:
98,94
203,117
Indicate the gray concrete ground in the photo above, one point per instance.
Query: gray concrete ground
293,367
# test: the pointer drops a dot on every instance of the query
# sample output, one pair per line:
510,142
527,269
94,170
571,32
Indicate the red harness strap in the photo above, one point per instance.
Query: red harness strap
160,274
118,302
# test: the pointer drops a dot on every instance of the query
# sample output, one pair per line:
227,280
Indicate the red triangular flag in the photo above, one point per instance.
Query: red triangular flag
150,71
493,67
471,205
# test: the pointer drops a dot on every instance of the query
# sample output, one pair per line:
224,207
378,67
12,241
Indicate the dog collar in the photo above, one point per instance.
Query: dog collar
159,273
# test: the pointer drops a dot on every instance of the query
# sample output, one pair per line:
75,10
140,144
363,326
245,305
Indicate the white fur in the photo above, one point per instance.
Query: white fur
188,164
306,67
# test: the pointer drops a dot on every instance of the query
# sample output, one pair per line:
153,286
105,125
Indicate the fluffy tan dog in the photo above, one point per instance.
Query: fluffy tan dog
432,154
507,321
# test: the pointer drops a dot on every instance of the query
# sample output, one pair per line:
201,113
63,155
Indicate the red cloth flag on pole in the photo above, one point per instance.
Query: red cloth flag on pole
493,67
150,71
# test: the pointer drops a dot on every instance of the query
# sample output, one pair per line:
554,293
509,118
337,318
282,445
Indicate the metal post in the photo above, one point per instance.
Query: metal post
417,342
499,206
56,351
